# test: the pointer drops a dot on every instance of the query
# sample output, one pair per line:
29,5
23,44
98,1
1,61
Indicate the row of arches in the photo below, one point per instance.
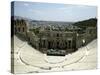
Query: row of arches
19,29
67,44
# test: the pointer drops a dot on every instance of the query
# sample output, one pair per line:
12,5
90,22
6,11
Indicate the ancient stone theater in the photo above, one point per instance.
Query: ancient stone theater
54,40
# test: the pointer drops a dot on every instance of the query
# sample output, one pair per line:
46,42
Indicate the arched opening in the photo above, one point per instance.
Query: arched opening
23,29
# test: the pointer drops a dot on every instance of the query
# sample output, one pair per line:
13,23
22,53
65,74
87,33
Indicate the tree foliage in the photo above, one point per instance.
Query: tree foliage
36,31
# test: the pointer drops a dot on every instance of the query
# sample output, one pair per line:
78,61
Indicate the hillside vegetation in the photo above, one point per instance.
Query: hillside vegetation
86,23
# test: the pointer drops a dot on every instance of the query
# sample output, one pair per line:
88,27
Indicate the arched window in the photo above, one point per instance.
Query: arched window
66,44
49,44
69,44
23,29
57,44
57,35
44,44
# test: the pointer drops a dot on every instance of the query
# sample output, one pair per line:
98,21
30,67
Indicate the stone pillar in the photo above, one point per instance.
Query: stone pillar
46,44
71,44
67,44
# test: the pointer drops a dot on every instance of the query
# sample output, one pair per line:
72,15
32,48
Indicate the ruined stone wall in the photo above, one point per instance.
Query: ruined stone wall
88,36
59,41
68,41
20,28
